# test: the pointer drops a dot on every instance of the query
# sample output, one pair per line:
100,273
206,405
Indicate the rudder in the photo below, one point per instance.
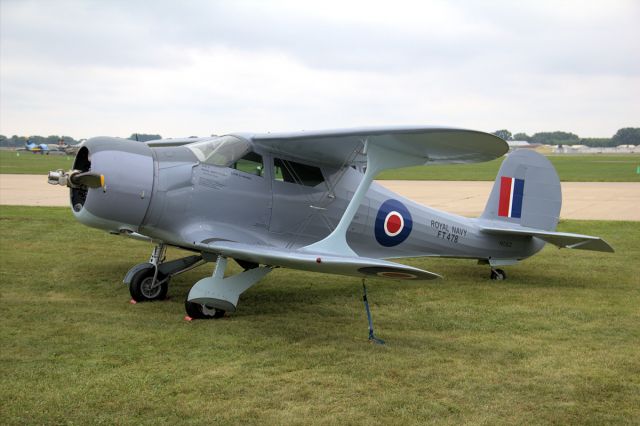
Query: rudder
526,192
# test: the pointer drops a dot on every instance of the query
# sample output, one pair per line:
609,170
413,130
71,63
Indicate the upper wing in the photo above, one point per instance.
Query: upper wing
166,143
437,145
560,239
318,262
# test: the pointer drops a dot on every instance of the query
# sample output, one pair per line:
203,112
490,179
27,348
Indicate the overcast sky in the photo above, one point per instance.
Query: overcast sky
88,68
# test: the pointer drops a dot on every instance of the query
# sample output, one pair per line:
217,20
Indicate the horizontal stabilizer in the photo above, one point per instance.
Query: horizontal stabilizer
318,262
560,239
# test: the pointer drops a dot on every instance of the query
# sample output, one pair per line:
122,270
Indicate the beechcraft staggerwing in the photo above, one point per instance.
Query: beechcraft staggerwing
306,201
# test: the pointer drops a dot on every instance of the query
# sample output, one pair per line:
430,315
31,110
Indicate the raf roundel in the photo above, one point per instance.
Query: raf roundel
393,223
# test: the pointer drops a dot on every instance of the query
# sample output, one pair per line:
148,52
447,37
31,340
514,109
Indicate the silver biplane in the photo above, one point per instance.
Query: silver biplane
306,201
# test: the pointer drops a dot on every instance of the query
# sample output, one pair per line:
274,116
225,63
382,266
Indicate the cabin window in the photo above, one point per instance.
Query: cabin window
302,174
251,163
220,151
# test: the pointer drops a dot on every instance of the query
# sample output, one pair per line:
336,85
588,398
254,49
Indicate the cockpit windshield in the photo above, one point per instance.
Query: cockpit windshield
221,151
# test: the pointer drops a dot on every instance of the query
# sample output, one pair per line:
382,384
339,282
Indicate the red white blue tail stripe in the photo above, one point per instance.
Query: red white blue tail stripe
511,196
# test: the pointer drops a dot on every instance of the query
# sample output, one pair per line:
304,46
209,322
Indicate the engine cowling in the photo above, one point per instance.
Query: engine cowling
110,184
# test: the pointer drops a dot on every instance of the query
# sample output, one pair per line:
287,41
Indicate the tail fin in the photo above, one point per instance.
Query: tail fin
526,192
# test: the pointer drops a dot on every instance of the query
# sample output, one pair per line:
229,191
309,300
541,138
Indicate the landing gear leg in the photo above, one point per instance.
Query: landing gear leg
498,274
372,337
211,297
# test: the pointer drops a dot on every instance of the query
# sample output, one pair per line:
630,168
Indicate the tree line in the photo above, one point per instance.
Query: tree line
624,136
16,141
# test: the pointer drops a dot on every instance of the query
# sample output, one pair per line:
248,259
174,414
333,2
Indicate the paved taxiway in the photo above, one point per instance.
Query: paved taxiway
581,200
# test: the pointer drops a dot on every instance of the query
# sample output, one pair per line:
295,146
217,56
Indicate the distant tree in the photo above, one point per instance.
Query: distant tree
555,138
16,140
504,134
521,137
19,141
627,136
597,142
68,140
143,137
53,139
37,139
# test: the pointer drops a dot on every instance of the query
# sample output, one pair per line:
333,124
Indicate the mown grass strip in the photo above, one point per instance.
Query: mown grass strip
557,342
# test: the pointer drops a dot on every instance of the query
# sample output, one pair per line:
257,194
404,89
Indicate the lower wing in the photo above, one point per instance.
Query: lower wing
318,262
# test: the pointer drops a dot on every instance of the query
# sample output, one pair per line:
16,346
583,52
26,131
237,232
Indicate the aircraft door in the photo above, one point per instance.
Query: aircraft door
237,195
301,199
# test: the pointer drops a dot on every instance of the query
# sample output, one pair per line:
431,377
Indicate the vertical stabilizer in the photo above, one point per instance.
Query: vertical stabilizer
526,192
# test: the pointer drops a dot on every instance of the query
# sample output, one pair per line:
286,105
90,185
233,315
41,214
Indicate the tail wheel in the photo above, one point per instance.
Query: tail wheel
142,286
198,311
498,275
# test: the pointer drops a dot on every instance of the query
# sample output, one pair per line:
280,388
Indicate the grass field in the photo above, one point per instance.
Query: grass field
571,168
556,343
28,163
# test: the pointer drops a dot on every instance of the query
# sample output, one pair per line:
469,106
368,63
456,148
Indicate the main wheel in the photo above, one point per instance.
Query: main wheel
246,265
198,311
498,274
142,288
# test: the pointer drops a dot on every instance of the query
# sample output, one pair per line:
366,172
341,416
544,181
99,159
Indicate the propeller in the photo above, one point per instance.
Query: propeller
76,179
88,179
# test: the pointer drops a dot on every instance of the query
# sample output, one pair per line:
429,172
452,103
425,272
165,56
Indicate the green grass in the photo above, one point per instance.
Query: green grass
557,342
23,162
570,168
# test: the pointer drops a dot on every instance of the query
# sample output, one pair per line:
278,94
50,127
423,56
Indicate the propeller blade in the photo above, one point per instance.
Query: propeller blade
88,179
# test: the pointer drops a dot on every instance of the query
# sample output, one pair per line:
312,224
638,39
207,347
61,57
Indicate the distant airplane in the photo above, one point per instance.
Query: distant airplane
69,149
60,148
307,201
41,148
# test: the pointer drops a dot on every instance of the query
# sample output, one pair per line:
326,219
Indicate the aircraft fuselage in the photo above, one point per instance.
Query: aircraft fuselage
174,198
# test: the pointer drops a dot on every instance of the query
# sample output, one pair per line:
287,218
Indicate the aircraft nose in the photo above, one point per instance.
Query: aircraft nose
111,183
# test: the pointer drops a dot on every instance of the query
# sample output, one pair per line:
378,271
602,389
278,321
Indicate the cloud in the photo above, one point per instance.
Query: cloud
90,67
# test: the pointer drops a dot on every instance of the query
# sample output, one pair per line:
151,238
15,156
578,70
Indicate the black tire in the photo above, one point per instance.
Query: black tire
498,275
140,286
198,311
246,265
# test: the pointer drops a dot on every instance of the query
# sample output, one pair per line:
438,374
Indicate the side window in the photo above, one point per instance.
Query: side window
302,174
251,163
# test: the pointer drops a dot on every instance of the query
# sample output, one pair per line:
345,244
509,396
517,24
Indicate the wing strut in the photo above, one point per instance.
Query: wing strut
379,158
